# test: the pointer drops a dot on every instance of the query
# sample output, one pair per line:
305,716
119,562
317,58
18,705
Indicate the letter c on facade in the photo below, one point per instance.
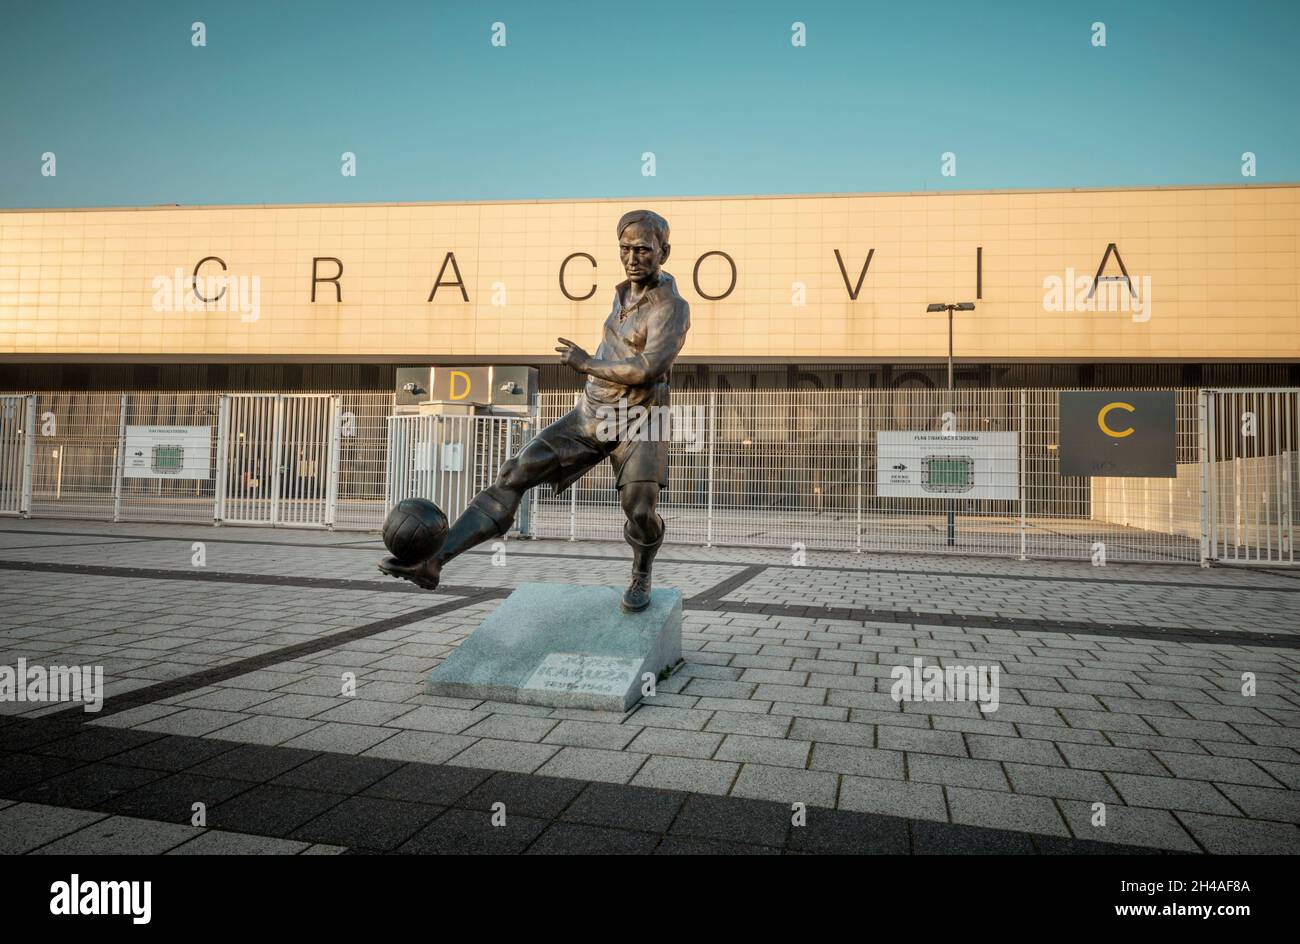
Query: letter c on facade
1101,420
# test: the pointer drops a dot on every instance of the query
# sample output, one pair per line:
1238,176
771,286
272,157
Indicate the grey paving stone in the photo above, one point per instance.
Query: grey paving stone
512,727
692,775
341,738
747,706
834,732
717,688
27,826
893,798
442,720
759,725
219,842
779,752
858,761
677,743
787,785
514,756
791,693
297,705
356,711
1062,734
193,721
1005,811
1276,735
1191,728
228,699
427,747
793,709
1061,782
1286,773
1155,742
1019,750
121,835
266,729
1106,721
1273,803
611,737
682,719
1257,752
1209,767
1170,793
1123,759
585,763
956,771
921,741
1226,835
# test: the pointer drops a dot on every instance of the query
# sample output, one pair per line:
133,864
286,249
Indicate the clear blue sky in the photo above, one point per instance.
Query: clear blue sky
137,115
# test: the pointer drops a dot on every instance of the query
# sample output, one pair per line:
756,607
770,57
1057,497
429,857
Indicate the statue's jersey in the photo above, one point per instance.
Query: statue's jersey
639,345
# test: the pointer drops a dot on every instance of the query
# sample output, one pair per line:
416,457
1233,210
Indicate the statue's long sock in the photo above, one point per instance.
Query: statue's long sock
471,529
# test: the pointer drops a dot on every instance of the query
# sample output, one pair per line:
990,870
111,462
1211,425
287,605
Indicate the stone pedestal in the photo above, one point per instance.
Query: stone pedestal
565,646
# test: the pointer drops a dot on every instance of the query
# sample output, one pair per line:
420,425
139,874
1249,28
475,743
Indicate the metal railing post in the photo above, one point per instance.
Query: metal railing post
335,448
713,424
860,484
573,512
29,454
223,460
1022,455
1203,455
119,460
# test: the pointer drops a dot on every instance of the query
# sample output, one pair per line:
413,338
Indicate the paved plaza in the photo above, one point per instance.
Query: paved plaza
228,657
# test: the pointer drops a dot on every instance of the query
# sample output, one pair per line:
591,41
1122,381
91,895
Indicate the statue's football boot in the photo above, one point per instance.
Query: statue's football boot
637,595
424,574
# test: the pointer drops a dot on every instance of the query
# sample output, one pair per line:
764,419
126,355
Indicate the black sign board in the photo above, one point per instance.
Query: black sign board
1118,433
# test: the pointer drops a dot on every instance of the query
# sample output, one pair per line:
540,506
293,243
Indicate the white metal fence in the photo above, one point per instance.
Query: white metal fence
450,459
312,460
804,468
1251,487
759,468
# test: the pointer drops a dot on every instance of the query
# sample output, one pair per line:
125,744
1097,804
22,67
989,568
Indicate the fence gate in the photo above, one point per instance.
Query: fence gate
17,417
1249,475
277,459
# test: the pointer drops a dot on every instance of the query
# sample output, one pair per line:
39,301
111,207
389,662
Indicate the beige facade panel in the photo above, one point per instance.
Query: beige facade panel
1216,272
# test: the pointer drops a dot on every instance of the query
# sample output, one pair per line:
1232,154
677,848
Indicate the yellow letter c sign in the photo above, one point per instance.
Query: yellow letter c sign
1101,420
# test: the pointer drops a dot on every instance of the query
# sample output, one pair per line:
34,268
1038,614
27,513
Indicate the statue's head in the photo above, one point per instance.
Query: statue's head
642,245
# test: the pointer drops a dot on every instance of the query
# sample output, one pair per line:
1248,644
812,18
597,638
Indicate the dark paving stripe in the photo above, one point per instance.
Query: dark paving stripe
376,546
1183,634
384,584
1293,575
708,602
221,673
730,585
396,807
56,545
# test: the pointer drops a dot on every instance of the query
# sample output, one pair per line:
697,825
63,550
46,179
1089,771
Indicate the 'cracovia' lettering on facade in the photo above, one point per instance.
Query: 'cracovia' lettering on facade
327,276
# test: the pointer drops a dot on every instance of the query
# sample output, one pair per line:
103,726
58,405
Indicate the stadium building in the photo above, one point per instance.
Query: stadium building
785,292
813,307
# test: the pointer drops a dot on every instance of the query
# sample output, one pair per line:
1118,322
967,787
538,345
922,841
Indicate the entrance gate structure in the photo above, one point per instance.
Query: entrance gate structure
277,460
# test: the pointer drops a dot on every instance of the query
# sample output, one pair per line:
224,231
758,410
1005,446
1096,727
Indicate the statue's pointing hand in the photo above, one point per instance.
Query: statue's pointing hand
572,355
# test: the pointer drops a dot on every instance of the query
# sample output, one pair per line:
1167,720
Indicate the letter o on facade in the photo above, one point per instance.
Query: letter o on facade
577,255
696,275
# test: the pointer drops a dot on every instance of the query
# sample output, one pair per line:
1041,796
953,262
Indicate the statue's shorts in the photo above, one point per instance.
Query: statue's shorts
564,451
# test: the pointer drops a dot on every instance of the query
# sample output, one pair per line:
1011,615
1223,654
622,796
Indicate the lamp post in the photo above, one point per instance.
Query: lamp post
959,306
950,308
